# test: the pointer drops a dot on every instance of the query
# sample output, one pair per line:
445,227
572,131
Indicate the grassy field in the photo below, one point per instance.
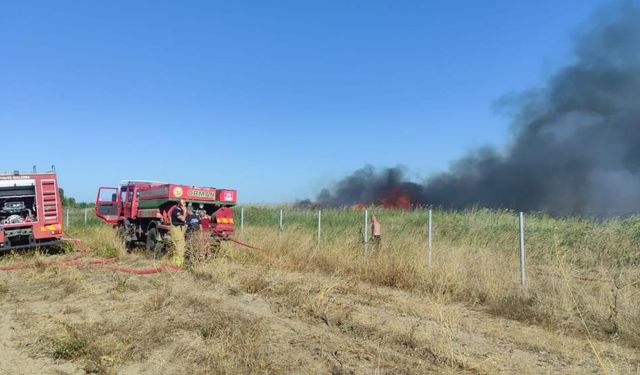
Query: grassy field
299,306
583,242
582,274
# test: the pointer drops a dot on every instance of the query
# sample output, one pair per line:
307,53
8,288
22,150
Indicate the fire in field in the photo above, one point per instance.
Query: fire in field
380,273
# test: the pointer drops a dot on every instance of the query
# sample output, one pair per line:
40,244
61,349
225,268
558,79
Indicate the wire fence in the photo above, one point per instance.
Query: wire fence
74,217
586,242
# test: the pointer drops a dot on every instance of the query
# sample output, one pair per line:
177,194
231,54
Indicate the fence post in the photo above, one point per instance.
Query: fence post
86,215
241,221
319,226
281,224
430,236
68,209
366,229
522,252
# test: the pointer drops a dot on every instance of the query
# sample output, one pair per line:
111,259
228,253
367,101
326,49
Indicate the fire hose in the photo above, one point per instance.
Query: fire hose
81,261
134,271
244,244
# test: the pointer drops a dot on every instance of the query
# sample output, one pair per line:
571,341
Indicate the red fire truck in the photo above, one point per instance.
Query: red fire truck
141,211
30,210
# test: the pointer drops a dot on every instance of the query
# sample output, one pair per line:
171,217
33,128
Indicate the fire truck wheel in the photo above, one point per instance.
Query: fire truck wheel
154,245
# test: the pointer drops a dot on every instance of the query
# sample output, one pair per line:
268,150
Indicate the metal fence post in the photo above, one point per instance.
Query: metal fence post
281,224
522,252
86,215
319,226
366,229
241,220
430,236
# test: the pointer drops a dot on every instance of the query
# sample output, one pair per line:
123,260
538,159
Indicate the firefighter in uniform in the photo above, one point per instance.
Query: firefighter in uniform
194,222
177,231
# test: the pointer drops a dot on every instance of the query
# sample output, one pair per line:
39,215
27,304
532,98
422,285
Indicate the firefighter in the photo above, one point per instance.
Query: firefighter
376,231
193,221
177,231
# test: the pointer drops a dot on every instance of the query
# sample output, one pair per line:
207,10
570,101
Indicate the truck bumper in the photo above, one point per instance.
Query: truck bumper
8,246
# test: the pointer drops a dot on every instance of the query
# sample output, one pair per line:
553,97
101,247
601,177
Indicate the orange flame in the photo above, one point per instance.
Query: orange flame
396,198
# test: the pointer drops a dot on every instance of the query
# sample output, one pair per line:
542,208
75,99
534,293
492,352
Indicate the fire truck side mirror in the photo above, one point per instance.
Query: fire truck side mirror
113,197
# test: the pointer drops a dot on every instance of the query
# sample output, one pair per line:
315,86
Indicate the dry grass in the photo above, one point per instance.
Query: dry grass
100,240
136,319
329,304
228,343
299,307
473,275
200,248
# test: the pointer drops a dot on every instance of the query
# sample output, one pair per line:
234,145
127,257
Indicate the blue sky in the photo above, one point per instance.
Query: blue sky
274,98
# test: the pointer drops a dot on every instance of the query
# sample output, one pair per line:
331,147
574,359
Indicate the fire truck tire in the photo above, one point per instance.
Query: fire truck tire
154,246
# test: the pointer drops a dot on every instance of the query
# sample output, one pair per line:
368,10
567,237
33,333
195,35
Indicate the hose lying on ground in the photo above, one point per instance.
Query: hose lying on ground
81,261
244,244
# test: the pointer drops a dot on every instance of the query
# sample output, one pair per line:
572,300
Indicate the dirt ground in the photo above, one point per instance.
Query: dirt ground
226,317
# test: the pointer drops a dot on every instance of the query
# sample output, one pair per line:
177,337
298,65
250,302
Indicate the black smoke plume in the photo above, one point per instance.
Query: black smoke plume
576,141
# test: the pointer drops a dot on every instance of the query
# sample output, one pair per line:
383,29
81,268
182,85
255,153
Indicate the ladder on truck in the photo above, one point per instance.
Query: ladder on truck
49,190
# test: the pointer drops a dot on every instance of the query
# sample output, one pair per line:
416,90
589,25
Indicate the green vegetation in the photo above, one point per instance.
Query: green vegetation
580,241
71,202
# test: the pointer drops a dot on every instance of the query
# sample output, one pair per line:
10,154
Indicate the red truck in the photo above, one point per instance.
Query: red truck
141,211
30,210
